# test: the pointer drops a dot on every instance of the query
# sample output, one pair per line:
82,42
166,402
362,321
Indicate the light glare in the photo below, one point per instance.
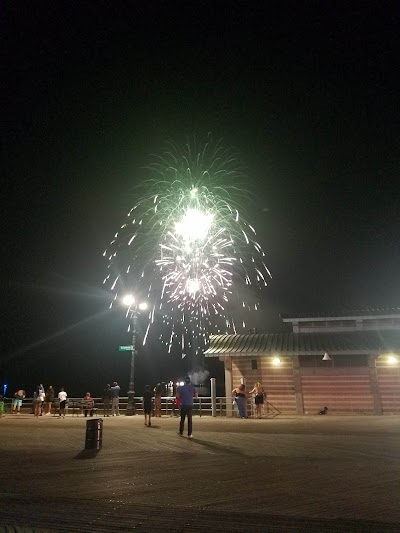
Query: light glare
128,300
194,225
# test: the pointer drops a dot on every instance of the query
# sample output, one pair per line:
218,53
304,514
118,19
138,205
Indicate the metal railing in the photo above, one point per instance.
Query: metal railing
202,406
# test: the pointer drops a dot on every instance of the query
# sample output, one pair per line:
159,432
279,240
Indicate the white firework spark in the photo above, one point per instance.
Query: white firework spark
185,246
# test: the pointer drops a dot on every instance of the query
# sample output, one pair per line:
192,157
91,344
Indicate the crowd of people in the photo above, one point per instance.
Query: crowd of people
43,401
181,399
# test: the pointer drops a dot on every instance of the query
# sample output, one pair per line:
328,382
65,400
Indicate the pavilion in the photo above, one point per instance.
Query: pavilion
348,361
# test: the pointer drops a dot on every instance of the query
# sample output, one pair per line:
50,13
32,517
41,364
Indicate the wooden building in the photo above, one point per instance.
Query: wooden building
349,362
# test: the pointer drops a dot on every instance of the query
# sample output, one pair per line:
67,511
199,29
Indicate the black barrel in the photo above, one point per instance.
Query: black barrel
94,434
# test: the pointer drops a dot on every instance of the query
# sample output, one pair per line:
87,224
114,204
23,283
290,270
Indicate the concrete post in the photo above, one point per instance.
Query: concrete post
228,385
373,382
213,397
298,391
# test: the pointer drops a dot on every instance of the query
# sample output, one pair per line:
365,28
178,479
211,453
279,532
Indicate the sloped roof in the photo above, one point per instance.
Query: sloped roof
347,343
367,312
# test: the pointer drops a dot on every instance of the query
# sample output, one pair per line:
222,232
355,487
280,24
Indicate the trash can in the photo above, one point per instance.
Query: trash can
94,434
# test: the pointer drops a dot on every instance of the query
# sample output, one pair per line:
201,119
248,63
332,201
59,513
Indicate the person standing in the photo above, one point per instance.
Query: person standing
17,401
49,399
115,399
186,393
42,396
107,400
147,405
62,396
241,400
37,402
171,396
258,398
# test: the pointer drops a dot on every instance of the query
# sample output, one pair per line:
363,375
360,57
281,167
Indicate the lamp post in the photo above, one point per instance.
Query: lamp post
133,309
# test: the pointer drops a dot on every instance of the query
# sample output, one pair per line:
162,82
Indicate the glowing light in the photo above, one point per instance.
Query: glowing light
192,286
276,361
128,300
194,225
143,306
392,360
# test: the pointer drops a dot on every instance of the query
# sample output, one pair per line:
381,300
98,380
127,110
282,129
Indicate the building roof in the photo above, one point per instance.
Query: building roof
355,342
345,313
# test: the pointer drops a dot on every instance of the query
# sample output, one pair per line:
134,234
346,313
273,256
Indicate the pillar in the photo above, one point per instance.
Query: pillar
298,391
228,385
213,397
373,381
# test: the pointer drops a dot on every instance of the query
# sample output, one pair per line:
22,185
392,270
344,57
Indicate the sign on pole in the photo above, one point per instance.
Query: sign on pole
125,348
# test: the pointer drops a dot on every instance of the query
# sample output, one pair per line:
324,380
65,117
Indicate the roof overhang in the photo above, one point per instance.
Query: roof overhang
334,317
274,344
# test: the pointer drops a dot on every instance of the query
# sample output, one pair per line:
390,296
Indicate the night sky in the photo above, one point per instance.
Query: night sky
307,94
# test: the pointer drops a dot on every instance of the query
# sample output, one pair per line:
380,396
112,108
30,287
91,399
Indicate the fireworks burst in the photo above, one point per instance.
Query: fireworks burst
185,245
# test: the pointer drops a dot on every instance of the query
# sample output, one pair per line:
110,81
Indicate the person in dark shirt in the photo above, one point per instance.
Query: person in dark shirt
37,402
48,400
241,400
186,393
115,399
147,405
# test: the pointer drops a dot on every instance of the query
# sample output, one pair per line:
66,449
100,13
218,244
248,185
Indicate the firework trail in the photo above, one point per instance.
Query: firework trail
185,246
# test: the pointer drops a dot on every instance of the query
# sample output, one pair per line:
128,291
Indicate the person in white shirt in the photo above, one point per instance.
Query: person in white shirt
62,396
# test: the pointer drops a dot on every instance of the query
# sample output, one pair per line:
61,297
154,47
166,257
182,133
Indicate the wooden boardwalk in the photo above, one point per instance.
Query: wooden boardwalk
285,474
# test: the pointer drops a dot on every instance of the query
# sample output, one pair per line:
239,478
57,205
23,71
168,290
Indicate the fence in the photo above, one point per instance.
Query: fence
202,406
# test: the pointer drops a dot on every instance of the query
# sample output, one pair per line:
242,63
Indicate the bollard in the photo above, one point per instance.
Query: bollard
94,434
213,397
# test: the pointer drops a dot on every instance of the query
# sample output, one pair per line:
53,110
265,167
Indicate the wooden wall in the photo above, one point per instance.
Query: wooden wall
341,390
277,381
389,387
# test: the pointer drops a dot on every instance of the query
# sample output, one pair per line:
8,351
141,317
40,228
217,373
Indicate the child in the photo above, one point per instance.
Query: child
324,411
147,405
2,411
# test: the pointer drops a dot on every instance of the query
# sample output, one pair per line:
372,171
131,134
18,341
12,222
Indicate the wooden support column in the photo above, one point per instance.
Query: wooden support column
373,380
297,385
228,384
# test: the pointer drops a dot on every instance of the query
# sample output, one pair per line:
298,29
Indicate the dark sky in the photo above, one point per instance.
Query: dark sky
308,94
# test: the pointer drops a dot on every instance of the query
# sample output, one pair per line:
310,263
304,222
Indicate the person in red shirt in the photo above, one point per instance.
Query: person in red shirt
88,404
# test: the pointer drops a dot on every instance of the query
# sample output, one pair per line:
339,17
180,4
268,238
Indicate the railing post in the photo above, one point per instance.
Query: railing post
200,405
213,397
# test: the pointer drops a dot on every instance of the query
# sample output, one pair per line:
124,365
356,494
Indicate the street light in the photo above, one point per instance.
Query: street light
129,301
